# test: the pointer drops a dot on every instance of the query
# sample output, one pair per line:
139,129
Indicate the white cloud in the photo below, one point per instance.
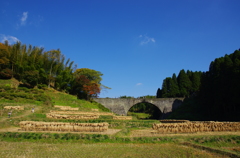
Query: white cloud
138,84
145,39
24,18
10,39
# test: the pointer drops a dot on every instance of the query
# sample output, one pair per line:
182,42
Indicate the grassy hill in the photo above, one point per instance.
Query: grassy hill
44,97
43,100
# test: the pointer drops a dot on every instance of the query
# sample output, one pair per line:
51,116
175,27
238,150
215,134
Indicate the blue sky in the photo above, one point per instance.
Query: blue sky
134,43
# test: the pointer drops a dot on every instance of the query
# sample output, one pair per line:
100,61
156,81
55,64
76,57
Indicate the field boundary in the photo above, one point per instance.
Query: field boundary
211,150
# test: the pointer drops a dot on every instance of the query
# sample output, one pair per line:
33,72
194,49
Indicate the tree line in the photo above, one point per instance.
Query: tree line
34,67
219,93
214,94
187,83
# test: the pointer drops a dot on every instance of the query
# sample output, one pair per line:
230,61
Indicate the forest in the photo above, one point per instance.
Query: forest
210,95
34,67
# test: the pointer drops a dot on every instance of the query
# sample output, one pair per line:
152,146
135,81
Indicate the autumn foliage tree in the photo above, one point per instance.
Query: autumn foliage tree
87,83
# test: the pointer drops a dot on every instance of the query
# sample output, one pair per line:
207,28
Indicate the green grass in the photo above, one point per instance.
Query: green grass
6,82
64,99
223,143
217,141
139,115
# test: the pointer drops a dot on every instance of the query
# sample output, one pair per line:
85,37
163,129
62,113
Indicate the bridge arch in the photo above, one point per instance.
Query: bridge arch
138,102
122,105
145,107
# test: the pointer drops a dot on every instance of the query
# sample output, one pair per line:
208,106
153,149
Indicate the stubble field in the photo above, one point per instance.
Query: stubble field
99,150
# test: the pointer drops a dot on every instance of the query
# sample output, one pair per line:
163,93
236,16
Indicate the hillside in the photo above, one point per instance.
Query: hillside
43,100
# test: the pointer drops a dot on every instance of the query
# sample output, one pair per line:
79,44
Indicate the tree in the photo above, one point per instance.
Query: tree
53,60
64,77
170,87
3,56
184,84
219,90
90,74
196,82
166,87
87,83
31,78
14,52
32,66
174,89
159,93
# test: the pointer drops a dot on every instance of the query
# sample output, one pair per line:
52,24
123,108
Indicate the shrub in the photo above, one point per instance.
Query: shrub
5,87
6,74
56,136
42,86
24,89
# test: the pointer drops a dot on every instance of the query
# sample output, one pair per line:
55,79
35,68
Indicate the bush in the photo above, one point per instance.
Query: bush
42,86
6,74
56,136
40,97
6,87
24,89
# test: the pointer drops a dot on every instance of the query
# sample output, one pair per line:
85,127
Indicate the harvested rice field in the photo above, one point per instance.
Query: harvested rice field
99,150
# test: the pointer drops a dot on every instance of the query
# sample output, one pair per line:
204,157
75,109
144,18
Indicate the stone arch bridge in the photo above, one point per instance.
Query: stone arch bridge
121,106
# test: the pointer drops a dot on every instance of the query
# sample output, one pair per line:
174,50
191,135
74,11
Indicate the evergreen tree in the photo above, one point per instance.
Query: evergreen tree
159,93
196,82
184,84
174,89
166,88
220,86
